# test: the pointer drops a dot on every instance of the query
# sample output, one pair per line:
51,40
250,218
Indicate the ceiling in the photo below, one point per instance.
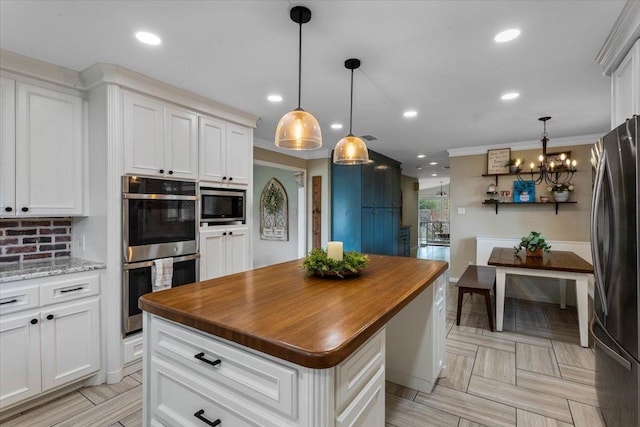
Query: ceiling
437,57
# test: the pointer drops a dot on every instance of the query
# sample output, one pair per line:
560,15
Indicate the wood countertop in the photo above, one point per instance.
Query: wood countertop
311,321
556,260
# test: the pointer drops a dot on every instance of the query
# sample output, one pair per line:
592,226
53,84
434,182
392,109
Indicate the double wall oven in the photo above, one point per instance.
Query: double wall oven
160,219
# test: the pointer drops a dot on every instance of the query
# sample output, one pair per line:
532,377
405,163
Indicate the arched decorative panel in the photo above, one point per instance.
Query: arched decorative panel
274,212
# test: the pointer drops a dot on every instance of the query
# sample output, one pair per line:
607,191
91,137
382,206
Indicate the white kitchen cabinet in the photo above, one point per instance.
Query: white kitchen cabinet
625,87
42,150
159,139
223,251
225,152
47,340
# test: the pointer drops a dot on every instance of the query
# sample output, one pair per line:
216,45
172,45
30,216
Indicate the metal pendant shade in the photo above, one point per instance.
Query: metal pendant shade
299,130
351,150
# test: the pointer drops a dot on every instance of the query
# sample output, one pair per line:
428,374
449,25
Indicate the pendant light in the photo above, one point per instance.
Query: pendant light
351,150
299,130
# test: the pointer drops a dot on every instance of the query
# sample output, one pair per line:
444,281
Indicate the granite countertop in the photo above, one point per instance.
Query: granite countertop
31,270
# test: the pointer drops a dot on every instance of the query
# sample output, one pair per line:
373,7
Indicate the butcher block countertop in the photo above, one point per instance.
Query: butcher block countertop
311,321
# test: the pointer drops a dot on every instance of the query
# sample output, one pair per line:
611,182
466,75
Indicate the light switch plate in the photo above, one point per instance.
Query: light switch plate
462,211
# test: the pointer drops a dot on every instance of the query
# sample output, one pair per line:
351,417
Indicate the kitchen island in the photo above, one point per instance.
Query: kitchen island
271,346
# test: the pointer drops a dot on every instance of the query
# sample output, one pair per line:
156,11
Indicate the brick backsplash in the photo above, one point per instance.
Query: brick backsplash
34,239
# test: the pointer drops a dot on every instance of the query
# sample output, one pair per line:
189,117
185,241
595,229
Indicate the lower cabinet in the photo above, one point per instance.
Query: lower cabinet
197,379
223,251
380,228
44,345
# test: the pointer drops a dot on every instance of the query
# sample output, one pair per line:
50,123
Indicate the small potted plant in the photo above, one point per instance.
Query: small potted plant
534,244
561,191
514,165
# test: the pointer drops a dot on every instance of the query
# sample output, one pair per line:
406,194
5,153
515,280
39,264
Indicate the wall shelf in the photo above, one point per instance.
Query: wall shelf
497,203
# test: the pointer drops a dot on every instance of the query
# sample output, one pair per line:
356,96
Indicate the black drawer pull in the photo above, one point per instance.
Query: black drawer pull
25,209
8,302
200,356
64,291
50,317
200,415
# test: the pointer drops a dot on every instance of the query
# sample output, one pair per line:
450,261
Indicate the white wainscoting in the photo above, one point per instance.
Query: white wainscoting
534,288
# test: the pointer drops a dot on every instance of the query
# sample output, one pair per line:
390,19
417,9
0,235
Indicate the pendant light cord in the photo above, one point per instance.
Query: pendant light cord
351,106
299,64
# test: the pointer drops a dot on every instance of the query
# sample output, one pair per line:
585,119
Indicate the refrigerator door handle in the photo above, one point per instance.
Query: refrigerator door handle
595,253
608,350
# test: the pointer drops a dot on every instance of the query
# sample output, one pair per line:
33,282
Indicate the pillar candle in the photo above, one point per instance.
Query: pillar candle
334,250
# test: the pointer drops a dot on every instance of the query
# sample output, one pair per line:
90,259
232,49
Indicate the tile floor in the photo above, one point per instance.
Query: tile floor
533,374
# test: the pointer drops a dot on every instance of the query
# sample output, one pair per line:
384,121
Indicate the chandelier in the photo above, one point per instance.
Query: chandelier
547,170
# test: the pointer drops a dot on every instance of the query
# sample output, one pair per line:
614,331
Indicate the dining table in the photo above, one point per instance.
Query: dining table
562,265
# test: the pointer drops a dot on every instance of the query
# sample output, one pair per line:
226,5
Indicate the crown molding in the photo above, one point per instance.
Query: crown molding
38,69
623,35
526,145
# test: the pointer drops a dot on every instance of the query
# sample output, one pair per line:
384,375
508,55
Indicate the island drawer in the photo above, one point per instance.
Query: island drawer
355,372
179,400
237,368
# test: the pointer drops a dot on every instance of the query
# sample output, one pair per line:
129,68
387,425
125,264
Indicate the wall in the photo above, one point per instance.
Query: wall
410,209
34,239
275,157
267,252
468,190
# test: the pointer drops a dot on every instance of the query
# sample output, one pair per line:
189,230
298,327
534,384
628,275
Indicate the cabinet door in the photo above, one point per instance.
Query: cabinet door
239,154
372,184
237,250
212,149
7,146
49,152
367,408
368,230
70,339
393,190
212,254
19,357
181,143
143,135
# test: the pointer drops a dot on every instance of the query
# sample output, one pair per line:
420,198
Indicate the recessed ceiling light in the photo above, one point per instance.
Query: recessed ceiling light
419,168
421,156
274,98
509,96
148,38
410,113
433,163
434,174
507,35
336,126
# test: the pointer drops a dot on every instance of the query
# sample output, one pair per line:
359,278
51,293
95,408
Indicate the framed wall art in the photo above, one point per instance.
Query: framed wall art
498,161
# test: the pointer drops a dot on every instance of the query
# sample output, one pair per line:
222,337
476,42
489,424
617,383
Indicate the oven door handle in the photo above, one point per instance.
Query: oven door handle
135,196
142,264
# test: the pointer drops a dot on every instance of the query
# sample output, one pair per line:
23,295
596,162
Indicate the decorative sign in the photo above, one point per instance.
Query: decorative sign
498,161
524,192
274,212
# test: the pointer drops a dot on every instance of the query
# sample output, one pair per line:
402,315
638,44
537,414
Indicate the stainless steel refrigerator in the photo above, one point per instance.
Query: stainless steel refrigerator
614,245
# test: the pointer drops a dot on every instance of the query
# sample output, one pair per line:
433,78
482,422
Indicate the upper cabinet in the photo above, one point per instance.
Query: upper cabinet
41,151
225,152
625,87
159,139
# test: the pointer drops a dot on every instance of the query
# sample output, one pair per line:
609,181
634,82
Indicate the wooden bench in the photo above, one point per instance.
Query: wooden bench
477,279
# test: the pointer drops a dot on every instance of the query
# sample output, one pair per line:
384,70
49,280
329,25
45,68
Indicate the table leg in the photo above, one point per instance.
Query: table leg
500,279
563,293
582,300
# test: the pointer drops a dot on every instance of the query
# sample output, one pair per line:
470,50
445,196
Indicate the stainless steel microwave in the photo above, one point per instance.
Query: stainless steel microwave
221,205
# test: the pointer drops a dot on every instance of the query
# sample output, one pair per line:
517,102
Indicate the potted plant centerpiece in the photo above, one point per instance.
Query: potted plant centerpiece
561,191
534,243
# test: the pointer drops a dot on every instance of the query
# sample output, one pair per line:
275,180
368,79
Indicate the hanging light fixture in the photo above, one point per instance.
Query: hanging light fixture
550,172
299,130
442,193
351,150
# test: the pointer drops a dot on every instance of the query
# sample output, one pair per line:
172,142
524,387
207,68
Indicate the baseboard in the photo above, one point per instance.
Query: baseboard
131,368
409,381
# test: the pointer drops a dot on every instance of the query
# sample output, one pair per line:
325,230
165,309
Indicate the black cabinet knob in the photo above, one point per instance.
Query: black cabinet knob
161,170
50,317
224,178
170,172
230,233
34,321
230,178
8,209
25,209
224,234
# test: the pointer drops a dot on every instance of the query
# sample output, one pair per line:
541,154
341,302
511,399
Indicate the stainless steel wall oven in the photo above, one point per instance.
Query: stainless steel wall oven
160,219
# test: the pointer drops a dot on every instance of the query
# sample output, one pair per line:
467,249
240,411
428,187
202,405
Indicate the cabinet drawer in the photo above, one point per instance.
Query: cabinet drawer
367,409
174,402
69,288
246,374
353,374
17,298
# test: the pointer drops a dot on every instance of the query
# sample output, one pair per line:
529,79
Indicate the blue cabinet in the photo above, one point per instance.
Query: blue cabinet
365,205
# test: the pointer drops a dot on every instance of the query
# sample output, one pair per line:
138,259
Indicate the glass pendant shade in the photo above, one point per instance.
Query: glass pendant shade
298,130
350,150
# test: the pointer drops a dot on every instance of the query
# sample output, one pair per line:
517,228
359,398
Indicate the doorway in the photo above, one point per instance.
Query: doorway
433,214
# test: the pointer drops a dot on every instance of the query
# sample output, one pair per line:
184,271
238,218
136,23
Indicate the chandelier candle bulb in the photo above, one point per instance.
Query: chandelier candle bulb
334,250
